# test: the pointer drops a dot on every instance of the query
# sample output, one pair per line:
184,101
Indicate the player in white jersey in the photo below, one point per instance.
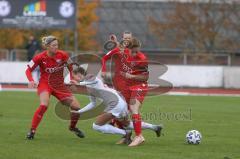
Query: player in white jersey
116,106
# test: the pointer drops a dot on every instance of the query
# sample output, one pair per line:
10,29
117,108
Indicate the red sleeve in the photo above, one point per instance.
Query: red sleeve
107,57
142,65
31,66
29,74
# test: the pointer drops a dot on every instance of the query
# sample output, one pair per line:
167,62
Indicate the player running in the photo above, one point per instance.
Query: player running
51,63
116,107
119,56
136,73
131,82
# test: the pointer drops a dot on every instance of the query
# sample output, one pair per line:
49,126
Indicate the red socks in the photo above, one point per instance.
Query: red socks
37,117
74,120
137,123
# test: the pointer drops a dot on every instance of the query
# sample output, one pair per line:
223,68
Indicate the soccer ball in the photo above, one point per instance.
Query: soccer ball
193,137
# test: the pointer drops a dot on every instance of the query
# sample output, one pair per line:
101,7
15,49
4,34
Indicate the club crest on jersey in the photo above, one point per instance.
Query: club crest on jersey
58,60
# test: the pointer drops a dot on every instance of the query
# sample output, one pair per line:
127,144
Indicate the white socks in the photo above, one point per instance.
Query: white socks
144,126
108,129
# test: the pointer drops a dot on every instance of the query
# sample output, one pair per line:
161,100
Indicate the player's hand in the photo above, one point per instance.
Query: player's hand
104,75
113,37
73,82
126,75
32,85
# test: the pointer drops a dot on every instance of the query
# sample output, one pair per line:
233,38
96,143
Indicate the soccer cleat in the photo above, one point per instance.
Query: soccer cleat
121,141
137,141
30,134
126,139
78,132
158,130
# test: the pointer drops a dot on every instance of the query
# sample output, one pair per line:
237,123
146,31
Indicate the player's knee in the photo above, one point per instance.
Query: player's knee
96,127
133,109
75,108
44,102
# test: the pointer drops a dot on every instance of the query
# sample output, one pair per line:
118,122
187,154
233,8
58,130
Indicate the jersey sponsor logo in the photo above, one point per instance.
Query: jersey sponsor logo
53,69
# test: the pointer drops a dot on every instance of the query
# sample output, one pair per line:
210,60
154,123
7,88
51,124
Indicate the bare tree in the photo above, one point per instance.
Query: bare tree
200,27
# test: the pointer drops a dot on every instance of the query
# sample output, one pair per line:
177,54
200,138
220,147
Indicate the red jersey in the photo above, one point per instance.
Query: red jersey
49,65
120,62
137,65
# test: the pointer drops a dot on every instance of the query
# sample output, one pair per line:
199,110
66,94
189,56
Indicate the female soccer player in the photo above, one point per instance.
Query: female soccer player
136,73
115,106
51,63
119,56
125,82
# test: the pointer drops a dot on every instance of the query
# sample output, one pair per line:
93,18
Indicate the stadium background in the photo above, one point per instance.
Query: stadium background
204,34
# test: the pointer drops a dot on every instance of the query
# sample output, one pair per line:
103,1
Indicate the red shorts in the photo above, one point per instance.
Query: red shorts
134,92
61,92
138,92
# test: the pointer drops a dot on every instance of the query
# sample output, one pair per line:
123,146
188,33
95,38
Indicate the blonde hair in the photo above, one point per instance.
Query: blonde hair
135,43
47,40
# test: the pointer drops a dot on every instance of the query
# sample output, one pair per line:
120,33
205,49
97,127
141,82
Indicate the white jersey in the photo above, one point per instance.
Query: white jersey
114,103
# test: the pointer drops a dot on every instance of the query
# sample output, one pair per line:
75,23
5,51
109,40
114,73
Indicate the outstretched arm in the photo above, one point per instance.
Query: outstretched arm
90,106
105,58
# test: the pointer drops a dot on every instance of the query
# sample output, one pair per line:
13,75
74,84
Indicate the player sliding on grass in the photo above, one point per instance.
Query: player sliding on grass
116,107
51,63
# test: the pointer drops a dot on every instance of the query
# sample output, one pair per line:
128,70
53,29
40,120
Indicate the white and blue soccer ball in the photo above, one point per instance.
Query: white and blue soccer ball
193,137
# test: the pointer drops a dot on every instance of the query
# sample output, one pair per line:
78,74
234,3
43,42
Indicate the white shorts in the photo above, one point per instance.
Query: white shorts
120,110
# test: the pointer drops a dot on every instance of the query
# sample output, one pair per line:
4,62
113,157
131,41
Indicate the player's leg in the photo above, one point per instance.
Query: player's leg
120,112
101,124
156,128
73,103
135,105
125,93
38,115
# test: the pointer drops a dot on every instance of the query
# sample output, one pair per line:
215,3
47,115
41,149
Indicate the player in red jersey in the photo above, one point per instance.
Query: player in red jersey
128,81
51,63
136,73
119,56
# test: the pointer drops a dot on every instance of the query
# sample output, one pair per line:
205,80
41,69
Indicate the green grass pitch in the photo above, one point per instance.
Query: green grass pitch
217,118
